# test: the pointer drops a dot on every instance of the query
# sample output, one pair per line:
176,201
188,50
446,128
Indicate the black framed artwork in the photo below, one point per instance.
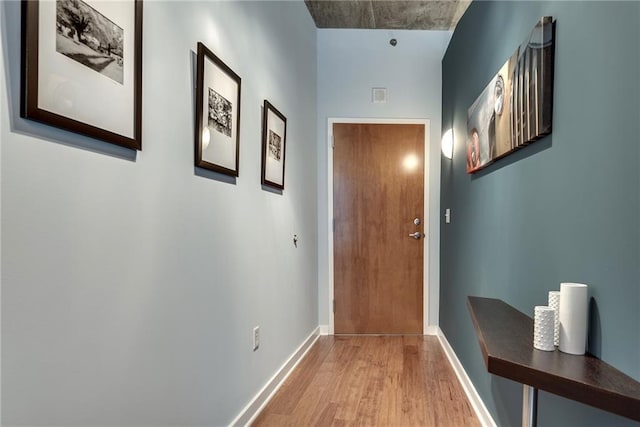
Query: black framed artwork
82,67
217,136
274,139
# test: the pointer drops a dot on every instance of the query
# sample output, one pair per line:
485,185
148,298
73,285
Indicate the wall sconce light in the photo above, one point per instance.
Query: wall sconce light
447,144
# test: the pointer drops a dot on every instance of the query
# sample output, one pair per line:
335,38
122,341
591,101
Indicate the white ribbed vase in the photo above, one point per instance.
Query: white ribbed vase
554,302
543,321
573,318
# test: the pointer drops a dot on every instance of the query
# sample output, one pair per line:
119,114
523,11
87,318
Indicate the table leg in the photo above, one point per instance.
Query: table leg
529,406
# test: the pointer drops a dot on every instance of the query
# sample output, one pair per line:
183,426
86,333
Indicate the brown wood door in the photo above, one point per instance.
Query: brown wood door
378,191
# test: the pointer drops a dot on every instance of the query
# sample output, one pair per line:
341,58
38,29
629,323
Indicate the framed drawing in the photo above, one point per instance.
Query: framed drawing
217,114
274,139
82,67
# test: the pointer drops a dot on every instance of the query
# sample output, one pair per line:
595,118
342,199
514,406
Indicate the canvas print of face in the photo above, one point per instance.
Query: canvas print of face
515,107
90,38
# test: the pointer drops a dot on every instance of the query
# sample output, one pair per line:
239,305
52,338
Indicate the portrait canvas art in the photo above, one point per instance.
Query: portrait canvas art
515,108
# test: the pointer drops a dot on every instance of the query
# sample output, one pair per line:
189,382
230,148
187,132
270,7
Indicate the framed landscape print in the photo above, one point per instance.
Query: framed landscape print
274,138
82,67
217,114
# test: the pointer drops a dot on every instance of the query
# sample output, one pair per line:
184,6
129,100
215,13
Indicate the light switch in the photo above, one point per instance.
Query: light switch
447,216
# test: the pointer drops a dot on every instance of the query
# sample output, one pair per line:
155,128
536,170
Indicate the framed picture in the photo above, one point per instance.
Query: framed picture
217,114
82,67
274,140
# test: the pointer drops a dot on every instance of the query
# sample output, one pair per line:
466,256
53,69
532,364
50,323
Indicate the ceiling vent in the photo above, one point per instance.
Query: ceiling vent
379,95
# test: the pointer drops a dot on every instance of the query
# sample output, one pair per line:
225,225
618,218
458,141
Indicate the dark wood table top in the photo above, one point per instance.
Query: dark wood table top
506,341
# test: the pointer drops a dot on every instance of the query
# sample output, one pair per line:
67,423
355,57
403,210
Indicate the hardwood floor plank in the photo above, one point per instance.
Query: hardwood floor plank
371,381
288,397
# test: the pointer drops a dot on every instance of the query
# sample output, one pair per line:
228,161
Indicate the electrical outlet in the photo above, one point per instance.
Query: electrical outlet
256,338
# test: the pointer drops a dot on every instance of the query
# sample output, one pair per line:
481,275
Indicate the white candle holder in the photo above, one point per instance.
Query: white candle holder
543,321
573,318
554,302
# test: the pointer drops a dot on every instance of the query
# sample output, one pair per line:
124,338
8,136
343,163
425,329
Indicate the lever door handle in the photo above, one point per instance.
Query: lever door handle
417,235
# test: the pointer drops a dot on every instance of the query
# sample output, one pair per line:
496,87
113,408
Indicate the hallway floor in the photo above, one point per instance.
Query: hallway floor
371,381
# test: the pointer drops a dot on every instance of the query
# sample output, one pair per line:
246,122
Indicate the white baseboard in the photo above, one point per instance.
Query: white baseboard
260,400
431,330
324,329
472,394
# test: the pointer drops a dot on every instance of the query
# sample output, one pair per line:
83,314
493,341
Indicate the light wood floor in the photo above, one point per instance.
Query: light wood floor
371,381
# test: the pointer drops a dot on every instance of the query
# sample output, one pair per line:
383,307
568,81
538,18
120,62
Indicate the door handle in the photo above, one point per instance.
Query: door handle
417,235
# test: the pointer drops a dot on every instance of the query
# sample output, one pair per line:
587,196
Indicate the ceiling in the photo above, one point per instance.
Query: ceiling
383,14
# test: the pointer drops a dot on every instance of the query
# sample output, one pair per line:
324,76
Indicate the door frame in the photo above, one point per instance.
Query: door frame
426,329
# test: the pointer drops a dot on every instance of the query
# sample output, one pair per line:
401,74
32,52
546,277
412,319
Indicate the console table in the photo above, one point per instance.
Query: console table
506,340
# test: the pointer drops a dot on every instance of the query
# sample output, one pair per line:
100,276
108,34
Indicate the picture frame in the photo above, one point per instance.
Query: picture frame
217,139
274,142
82,68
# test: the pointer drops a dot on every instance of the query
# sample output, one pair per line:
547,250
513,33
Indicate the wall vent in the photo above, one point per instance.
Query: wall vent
379,95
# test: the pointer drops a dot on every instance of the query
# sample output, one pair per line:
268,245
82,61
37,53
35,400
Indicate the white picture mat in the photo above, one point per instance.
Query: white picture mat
274,169
221,149
71,89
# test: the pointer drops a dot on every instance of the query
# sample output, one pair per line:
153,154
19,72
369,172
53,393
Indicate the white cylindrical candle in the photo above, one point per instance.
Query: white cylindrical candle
573,318
554,302
543,320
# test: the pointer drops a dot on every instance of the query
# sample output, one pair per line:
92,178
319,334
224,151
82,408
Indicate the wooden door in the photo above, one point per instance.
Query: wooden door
378,191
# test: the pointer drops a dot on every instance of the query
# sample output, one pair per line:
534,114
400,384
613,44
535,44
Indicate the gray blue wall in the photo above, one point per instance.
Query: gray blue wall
566,208
130,283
